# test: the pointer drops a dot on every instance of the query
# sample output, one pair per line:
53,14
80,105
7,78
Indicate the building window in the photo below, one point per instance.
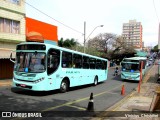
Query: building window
9,26
17,2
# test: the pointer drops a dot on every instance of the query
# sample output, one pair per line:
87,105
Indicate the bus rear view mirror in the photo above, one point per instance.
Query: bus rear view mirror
11,59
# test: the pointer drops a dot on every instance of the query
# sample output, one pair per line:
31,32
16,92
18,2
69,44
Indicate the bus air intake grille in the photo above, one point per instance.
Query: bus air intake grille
25,80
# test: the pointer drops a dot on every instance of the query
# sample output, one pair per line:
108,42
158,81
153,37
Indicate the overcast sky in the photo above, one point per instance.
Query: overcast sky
110,13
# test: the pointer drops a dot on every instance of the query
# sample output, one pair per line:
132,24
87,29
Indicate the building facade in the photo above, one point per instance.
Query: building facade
132,34
12,32
12,23
14,26
48,31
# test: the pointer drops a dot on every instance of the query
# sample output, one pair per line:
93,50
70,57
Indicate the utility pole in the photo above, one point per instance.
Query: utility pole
159,37
84,37
158,52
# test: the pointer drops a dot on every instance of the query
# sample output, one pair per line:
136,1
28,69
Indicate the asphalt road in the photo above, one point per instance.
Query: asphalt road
105,95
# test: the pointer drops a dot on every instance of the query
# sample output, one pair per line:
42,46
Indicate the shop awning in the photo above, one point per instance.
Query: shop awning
5,54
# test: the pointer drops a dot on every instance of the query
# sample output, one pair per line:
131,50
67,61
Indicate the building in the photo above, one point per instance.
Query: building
14,27
12,31
48,31
132,34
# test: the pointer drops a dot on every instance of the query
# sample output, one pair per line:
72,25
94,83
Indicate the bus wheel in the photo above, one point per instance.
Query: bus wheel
95,81
64,86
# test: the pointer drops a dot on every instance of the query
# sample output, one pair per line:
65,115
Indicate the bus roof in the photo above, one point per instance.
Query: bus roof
61,48
136,58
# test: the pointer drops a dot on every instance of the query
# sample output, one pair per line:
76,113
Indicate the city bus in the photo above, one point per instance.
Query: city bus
44,67
131,68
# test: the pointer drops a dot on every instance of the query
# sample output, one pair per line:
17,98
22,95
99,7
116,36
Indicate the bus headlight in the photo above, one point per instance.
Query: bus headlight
39,80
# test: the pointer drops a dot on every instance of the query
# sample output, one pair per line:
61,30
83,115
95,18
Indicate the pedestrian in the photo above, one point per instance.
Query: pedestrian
116,71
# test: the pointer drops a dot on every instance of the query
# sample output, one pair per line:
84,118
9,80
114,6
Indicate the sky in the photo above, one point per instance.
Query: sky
110,13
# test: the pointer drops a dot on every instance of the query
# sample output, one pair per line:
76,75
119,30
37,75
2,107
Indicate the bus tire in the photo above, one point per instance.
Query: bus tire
95,81
64,86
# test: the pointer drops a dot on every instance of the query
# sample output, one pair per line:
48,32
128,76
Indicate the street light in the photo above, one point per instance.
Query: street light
89,34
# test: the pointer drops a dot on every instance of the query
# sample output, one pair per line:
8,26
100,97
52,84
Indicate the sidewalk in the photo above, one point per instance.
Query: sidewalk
136,102
6,82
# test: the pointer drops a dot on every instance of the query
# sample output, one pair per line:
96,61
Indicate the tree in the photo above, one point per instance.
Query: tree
155,48
74,45
102,42
110,45
121,46
68,43
60,42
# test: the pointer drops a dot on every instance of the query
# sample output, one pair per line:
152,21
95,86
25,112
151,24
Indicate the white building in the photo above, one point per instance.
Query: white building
12,31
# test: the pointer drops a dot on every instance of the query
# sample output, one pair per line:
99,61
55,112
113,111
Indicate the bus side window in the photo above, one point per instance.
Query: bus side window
92,62
77,61
104,65
85,62
66,60
98,64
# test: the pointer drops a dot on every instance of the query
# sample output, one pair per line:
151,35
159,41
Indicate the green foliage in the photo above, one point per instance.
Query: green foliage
155,49
60,42
93,51
68,43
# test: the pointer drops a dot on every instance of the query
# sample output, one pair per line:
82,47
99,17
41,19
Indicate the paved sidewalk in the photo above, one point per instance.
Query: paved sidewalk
5,82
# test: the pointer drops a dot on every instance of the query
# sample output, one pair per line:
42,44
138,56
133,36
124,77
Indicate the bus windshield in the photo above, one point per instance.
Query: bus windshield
30,62
130,67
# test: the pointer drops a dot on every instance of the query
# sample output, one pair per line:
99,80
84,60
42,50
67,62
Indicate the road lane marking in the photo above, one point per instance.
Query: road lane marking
77,107
80,100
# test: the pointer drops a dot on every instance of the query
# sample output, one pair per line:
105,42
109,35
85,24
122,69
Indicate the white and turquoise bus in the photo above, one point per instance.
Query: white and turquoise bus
131,68
44,67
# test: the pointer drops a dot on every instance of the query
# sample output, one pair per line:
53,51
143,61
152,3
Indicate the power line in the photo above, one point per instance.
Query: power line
54,19
155,10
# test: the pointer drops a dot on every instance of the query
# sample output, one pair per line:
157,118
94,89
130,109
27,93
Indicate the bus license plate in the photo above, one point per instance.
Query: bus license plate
23,85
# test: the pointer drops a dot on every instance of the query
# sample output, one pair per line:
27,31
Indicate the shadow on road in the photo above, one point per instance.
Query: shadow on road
33,93
130,81
46,93
118,78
